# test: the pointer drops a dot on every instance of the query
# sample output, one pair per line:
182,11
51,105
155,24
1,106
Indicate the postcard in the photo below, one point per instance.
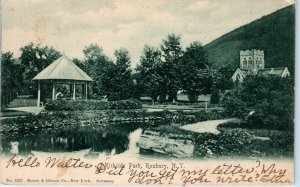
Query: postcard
155,92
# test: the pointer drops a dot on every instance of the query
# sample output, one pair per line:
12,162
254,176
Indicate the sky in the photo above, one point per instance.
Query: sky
71,25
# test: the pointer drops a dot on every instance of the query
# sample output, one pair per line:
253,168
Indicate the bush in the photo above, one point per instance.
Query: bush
36,122
231,142
234,106
208,115
283,143
70,105
234,141
205,145
229,125
276,114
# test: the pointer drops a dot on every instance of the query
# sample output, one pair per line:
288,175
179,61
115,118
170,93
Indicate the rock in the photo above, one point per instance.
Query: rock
178,146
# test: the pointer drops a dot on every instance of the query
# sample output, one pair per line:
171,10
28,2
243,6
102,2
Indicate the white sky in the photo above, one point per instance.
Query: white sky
70,25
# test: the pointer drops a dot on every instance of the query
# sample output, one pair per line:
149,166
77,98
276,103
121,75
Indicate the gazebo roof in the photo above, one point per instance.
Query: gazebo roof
62,69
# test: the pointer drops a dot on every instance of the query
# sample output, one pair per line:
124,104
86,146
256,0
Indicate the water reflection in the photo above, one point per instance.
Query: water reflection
134,137
113,139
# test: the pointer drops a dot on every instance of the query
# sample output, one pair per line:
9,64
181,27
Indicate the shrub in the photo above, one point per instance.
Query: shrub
283,143
234,141
234,106
40,121
208,115
276,114
231,142
70,105
205,145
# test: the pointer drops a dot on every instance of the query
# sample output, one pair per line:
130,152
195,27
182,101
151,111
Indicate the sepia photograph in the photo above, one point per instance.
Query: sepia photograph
159,92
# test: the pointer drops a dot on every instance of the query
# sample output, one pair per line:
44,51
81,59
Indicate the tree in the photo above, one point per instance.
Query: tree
272,100
215,96
121,83
35,58
196,76
222,77
172,52
149,76
79,63
97,65
269,99
138,87
11,78
251,91
94,53
233,104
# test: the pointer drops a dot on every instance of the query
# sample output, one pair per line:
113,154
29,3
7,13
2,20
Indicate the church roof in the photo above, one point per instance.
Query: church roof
246,72
270,71
62,69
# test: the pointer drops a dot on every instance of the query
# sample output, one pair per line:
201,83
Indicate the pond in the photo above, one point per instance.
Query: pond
88,141
145,140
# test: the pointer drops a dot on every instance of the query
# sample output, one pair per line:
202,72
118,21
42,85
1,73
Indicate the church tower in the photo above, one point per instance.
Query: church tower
252,60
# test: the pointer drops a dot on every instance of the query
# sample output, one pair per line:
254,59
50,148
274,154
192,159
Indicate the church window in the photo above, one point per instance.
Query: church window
238,77
250,61
245,62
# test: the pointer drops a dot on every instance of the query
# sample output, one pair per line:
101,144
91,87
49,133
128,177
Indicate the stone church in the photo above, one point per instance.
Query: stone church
252,62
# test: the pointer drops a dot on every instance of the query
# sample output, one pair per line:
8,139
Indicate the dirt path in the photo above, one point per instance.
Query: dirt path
207,126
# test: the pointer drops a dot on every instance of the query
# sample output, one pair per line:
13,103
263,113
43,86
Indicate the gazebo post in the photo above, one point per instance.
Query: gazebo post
53,91
39,95
82,91
86,90
74,90
70,89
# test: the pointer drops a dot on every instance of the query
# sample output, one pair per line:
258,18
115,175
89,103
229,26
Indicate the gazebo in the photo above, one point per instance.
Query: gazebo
62,71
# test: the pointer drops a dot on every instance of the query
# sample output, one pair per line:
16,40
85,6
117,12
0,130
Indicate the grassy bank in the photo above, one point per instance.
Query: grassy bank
59,119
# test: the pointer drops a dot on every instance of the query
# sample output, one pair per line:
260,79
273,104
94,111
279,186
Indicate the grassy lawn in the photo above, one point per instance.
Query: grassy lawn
183,97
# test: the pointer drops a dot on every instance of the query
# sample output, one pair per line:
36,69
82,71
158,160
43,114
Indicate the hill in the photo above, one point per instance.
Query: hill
274,33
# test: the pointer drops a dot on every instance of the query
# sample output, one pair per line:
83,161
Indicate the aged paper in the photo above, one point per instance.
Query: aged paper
118,92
